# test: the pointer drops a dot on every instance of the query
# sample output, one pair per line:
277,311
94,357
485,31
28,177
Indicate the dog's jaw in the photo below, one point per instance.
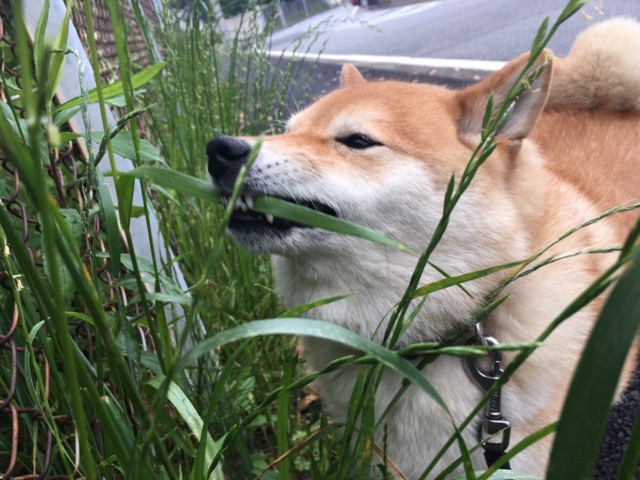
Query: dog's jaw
265,233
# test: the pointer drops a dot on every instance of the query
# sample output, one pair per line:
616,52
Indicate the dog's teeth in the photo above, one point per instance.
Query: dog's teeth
244,207
238,203
249,201
269,218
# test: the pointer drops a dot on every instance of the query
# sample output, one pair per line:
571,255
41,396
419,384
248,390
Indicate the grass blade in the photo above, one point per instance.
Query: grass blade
190,415
315,328
115,89
122,144
519,447
366,438
576,447
196,187
299,310
297,213
57,62
459,279
282,420
39,46
108,210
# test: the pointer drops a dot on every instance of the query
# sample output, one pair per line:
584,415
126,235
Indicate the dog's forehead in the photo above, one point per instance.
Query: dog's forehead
337,112
371,105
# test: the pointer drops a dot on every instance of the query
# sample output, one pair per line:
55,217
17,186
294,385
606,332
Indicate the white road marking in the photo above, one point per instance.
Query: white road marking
373,60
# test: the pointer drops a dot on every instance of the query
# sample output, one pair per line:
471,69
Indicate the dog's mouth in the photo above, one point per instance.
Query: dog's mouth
244,217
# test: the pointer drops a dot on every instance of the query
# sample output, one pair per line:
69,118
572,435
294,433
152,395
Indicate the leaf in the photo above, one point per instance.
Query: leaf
120,100
126,188
303,445
299,310
306,216
10,84
315,328
39,47
74,221
282,420
108,211
191,417
164,298
115,89
20,127
81,316
145,266
138,211
66,137
63,116
57,62
34,331
523,444
457,280
185,184
577,442
64,276
219,388
123,145
119,424
488,113
345,464
366,437
113,130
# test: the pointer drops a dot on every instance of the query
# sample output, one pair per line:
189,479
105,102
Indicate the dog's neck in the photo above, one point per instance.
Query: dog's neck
373,291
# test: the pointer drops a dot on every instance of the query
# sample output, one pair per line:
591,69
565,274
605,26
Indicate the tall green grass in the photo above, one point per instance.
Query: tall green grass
213,393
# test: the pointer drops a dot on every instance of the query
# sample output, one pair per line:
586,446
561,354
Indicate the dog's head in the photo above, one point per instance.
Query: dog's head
379,154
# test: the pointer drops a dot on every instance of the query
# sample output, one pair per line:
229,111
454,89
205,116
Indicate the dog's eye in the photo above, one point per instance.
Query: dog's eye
358,141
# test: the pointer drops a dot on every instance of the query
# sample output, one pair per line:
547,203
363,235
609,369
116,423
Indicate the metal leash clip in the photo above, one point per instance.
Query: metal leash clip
493,422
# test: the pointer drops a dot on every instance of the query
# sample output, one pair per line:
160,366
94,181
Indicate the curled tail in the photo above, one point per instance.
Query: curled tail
602,70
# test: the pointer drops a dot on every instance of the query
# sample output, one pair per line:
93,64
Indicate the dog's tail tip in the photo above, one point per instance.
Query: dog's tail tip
602,70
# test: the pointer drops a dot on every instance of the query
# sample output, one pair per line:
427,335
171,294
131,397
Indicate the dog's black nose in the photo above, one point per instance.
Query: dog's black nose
226,156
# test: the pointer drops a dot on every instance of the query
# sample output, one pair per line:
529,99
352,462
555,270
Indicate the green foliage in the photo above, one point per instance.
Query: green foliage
209,391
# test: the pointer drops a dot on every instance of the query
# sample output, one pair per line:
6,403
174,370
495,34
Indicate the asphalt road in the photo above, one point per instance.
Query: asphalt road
452,29
456,30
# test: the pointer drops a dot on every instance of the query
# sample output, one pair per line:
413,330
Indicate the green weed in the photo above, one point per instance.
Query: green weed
155,382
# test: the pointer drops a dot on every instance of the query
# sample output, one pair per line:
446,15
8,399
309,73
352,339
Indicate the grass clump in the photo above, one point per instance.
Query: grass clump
205,391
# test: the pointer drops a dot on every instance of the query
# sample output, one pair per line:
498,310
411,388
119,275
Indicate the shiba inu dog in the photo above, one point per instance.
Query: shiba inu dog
381,154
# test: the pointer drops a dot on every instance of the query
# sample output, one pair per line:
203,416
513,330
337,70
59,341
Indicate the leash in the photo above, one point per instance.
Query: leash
493,425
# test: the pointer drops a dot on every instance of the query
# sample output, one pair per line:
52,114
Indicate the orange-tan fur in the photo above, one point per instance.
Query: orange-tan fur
570,151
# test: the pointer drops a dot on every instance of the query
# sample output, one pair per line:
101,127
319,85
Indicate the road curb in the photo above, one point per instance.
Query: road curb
454,69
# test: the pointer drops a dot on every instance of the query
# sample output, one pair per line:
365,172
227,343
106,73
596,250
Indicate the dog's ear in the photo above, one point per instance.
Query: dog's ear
528,104
350,76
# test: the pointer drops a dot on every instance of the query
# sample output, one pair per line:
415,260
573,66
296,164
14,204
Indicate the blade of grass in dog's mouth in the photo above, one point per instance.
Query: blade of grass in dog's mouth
196,187
312,218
